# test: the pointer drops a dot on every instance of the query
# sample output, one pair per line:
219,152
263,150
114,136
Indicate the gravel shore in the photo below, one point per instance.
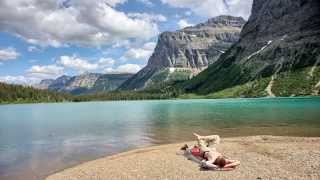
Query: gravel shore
262,157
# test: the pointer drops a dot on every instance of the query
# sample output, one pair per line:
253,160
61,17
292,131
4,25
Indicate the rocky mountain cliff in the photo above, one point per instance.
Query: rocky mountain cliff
85,83
278,53
183,54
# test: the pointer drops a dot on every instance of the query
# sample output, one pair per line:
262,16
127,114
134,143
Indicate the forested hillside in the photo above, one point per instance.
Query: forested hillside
21,94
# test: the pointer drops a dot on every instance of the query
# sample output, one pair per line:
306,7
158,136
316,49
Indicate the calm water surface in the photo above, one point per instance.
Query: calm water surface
39,139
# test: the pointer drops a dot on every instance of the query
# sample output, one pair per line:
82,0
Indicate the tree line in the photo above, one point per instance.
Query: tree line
25,94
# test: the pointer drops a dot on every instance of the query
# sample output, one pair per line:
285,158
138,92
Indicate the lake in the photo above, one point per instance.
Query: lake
39,139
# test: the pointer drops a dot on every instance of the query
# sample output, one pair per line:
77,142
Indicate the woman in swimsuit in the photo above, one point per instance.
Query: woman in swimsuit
212,159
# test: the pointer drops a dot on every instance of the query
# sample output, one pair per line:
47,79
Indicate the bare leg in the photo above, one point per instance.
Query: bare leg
210,137
197,136
232,163
208,140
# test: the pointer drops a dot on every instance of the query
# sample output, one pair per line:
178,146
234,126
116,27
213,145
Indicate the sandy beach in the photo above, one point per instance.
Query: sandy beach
262,157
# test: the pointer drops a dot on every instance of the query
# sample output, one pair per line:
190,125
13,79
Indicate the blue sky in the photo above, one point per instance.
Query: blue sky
46,39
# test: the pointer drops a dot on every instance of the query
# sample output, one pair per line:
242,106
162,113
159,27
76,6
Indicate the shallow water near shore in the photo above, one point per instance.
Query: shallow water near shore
39,139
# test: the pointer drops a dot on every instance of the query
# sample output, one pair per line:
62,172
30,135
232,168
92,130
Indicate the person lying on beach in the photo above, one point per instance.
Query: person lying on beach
207,155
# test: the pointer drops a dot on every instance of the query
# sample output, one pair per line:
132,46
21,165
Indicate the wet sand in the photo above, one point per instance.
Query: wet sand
262,157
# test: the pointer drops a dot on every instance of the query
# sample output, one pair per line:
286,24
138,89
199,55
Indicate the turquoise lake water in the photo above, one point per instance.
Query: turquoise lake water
39,139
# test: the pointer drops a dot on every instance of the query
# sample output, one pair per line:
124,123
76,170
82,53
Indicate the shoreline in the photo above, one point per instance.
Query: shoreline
262,157
169,99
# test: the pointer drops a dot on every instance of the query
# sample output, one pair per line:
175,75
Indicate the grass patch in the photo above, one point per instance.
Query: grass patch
290,83
296,83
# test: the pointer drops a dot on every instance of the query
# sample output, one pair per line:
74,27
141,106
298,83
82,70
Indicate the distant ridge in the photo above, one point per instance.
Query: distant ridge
85,83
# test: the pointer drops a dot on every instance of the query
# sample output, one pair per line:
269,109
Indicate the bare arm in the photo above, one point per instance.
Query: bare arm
211,156
209,165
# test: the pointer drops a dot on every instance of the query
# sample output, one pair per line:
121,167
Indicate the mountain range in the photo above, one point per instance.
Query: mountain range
85,83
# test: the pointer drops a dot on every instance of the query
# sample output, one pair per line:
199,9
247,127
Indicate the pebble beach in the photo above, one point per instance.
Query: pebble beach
262,157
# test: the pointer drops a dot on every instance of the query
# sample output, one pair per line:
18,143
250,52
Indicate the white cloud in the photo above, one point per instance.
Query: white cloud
83,65
146,2
115,2
37,73
8,54
212,8
19,80
45,72
142,53
80,22
105,62
183,24
125,68
148,17
77,63
120,44
149,46
33,49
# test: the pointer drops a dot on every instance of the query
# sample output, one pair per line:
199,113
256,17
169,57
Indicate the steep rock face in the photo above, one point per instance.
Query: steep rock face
189,49
86,83
109,82
280,36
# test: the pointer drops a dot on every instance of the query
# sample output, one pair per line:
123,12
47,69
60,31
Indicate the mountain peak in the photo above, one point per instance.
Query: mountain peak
184,53
226,20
